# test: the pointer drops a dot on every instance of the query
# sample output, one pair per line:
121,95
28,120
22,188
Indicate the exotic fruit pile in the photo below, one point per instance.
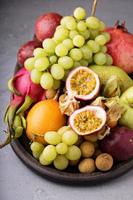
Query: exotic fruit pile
74,106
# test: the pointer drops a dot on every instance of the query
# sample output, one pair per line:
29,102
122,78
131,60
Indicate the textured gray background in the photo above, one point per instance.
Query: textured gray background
16,26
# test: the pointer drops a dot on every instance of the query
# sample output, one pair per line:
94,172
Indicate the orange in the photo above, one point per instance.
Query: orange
44,116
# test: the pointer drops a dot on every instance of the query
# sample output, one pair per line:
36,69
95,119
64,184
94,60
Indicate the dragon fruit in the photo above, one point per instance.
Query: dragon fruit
121,47
24,94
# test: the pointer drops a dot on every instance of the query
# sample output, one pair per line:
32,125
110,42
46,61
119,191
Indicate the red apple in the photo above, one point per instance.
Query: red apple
26,51
46,24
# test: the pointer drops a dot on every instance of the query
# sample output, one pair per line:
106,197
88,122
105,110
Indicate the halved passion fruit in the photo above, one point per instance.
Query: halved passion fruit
83,83
88,120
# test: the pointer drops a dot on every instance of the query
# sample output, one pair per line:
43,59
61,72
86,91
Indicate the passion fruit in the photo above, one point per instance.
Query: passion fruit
88,120
83,83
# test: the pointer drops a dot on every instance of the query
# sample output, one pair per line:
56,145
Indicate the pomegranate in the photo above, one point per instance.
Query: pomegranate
26,51
46,24
88,120
120,47
83,83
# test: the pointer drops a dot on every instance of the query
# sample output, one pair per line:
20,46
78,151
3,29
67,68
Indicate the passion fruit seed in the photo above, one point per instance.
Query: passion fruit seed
87,121
83,82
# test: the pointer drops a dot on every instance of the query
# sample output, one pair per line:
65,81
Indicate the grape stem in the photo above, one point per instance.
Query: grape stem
93,10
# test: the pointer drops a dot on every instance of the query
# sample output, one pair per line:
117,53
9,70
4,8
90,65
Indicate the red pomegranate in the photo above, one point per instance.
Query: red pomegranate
121,47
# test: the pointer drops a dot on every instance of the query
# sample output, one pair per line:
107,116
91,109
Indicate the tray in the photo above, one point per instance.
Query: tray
71,176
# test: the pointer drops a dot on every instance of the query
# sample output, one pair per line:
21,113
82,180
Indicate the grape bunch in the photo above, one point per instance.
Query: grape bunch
60,150
77,41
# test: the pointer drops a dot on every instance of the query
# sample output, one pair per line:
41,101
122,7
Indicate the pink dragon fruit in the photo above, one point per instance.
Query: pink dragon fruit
24,94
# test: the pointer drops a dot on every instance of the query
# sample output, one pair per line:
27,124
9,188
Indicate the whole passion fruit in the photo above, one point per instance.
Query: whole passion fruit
88,120
83,83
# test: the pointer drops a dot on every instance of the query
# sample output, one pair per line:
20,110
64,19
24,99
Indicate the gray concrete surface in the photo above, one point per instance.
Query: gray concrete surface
16,26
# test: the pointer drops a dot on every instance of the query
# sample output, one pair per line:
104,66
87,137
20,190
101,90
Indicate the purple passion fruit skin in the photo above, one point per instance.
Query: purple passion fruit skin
88,120
119,143
83,83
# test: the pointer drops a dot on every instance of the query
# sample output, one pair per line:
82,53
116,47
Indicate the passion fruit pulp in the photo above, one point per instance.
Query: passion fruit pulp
83,83
88,120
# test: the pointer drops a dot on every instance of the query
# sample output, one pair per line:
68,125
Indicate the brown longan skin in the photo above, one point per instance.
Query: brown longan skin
87,149
87,165
91,138
104,162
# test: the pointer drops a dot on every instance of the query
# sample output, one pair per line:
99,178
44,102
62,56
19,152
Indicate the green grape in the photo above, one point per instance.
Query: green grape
94,46
29,63
41,64
79,13
58,27
109,60
49,153
73,153
68,43
53,59
61,50
85,34
71,23
64,21
102,26
49,45
101,40
76,64
61,34
84,63
66,62
57,84
87,53
43,161
57,71
36,76
103,49
63,129
61,148
78,41
61,162
93,23
76,54
81,26
100,58
73,33
107,36
46,81
93,34
36,149
52,137
69,137
39,52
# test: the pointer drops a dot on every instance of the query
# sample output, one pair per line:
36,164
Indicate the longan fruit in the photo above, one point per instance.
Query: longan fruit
87,165
87,149
91,138
104,162
50,93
